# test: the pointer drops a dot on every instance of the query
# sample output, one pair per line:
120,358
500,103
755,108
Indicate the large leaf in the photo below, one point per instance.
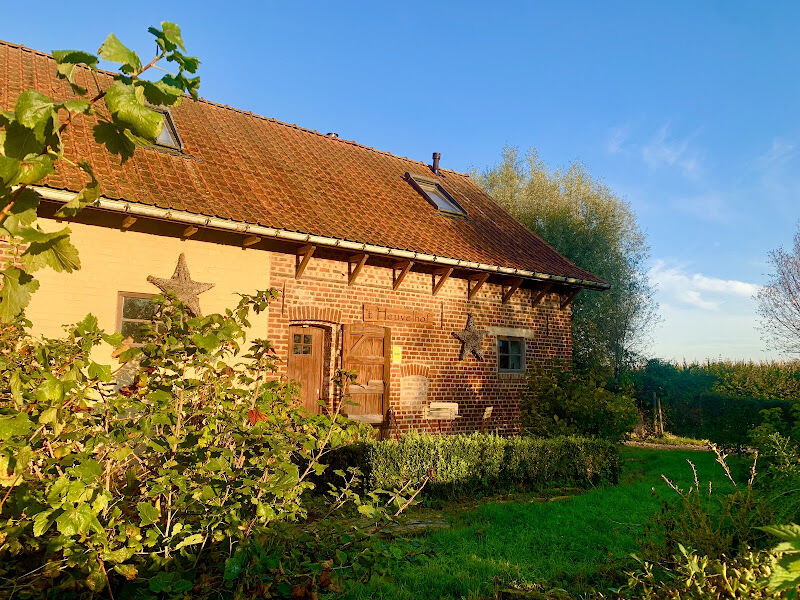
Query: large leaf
23,213
35,168
786,533
34,109
9,169
67,60
113,50
53,250
147,513
129,109
78,520
114,139
20,141
19,424
15,293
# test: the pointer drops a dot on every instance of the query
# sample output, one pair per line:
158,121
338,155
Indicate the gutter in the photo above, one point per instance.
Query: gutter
188,218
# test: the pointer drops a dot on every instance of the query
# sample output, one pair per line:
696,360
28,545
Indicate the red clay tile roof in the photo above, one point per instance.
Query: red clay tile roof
240,166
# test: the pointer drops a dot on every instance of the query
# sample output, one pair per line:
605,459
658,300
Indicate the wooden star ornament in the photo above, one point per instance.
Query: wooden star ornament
182,286
471,340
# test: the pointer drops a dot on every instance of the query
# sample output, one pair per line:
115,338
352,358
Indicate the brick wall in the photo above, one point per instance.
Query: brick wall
429,351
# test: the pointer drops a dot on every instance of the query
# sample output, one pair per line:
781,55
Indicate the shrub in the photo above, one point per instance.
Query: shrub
193,476
563,402
697,577
481,462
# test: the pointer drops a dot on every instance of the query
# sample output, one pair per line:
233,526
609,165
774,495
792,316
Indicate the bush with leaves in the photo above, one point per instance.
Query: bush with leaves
191,476
561,401
32,147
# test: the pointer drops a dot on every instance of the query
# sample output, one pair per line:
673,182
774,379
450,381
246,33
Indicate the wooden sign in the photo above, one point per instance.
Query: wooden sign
390,315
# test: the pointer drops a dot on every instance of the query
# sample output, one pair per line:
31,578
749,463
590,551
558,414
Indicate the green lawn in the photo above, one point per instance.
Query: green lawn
569,543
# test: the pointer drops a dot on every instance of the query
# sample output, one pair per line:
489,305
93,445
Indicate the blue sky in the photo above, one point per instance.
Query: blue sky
689,110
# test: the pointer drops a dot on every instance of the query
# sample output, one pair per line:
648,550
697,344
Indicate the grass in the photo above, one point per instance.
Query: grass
675,440
566,542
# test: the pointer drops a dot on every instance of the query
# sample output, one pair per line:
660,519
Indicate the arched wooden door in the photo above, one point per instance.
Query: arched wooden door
366,349
305,363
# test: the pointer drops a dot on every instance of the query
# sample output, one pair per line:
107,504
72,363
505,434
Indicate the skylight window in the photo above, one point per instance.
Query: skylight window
168,137
436,194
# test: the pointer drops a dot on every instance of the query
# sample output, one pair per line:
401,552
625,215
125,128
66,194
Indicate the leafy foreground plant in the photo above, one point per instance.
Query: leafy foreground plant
189,478
31,147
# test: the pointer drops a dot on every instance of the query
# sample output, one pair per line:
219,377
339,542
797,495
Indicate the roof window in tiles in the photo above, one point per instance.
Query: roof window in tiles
436,194
168,137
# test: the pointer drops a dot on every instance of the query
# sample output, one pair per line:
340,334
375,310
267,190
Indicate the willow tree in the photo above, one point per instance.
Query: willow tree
586,222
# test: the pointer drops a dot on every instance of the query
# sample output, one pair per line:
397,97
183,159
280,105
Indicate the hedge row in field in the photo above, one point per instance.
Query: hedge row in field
481,462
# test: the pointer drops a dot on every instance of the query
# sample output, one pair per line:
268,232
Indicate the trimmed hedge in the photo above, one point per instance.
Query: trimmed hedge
481,462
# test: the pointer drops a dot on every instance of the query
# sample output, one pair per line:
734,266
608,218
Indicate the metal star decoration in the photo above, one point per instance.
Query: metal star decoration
471,339
182,286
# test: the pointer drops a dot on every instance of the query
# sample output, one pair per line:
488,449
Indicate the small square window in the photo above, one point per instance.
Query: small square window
511,355
297,338
434,193
297,348
135,310
306,339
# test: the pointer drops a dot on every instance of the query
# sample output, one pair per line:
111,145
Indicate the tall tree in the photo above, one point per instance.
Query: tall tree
779,300
586,222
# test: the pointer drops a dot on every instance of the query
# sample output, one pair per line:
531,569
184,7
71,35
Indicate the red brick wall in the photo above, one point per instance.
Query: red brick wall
323,297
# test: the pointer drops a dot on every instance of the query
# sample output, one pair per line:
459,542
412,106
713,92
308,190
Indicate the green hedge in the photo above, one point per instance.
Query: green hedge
723,420
481,462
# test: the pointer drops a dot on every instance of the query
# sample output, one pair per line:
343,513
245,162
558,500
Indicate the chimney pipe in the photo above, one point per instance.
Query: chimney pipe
435,166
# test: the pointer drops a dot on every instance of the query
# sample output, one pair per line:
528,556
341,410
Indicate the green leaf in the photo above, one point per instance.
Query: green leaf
193,539
120,555
15,293
34,109
9,169
23,212
35,168
86,196
209,342
113,50
77,106
42,522
114,139
48,415
78,520
50,390
67,60
52,250
147,512
123,102
10,427
161,92
99,372
784,532
113,339
88,470
21,141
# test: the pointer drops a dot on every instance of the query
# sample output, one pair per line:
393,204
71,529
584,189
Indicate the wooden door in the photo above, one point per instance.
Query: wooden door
306,352
366,349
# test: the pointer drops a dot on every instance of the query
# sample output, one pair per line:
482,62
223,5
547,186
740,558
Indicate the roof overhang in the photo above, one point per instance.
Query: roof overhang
198,220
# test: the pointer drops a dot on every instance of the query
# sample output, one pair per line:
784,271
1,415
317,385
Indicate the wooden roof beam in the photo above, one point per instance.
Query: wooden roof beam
540,294
443,274
399,271
127,223
513,286
475,283
304,254
354,265
189,231
250,240
567,300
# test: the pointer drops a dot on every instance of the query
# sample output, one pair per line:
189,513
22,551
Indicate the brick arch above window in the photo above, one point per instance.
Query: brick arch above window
407,369
315,313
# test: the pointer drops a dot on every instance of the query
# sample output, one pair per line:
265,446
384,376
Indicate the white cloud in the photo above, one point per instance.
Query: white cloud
663,150
677,285
704,316
709,206
617,138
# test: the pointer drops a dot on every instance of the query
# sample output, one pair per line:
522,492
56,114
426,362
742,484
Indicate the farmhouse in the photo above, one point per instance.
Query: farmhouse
405,271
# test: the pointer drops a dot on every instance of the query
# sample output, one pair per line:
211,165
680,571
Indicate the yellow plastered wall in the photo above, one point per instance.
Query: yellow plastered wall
115,261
